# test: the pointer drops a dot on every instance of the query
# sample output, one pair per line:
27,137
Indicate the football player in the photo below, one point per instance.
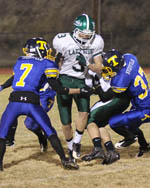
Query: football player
71,46
29,74
98,118
127,78
47,97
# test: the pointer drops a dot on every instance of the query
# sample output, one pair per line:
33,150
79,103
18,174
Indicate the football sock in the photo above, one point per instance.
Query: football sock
109,146
2,149
141,139
70,143
97,142
78,136
56,144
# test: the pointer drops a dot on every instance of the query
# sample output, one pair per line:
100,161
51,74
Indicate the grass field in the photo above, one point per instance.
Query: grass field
26,167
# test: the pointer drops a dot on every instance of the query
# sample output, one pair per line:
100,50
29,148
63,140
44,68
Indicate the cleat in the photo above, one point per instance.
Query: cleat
142,151
43,144
71,159
69,165
111,157
97,153
10,143
76,150
125,143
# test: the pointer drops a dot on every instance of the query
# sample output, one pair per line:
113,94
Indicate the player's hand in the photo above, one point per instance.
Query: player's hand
86,91
96,82
59,57
81,59
1,88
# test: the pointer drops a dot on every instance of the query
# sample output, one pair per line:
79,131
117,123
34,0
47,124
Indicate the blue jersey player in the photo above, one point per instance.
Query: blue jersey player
29,72
127,77
47,97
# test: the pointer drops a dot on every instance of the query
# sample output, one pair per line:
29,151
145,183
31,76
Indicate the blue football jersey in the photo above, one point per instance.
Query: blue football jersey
131,78
30,73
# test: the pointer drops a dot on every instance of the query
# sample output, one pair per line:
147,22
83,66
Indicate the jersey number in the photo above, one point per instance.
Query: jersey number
138,80
27,68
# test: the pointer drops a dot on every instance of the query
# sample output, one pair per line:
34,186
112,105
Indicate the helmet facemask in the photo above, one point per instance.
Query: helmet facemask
107,73
83,38
36,47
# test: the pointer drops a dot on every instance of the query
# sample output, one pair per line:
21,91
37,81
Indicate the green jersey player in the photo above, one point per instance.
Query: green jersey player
84,41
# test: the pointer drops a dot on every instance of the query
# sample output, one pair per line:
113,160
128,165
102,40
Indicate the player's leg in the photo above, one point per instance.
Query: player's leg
83,104
143,145
42,118
8,117
123,123
35,128
99,117
10,140
97,152
64,106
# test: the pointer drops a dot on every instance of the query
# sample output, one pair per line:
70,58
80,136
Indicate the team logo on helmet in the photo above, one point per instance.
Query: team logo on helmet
113,61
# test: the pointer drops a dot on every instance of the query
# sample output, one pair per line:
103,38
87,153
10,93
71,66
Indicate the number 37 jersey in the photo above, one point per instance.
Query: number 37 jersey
30,73
131,78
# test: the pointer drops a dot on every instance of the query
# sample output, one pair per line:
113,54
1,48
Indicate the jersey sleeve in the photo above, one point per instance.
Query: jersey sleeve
57,44
98,46
51,70
120,83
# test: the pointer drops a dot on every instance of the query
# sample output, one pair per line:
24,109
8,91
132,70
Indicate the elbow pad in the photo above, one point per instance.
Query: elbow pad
56,85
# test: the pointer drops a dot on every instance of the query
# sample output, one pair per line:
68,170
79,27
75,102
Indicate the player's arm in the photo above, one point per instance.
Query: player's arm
94,64
7,83
104,95
56,85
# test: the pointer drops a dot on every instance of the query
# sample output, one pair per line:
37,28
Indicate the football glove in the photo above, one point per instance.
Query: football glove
58,58
82,60
86,91
96,81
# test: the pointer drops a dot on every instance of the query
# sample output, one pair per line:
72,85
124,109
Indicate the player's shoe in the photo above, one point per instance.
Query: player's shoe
125,143
69,165
76,150
72,159
43,144
97,153
143,150
10,143
111,157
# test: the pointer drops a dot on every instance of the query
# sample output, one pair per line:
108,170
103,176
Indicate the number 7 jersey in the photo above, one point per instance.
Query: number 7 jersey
131,78
31,72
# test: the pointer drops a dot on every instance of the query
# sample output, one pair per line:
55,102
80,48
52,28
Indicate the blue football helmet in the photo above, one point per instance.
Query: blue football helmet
37,47
113,61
